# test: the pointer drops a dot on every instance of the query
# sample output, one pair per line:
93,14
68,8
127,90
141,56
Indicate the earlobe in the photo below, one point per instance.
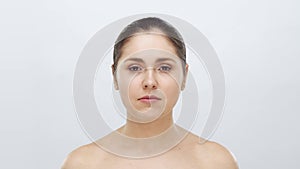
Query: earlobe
115,83
183,83
185,76
116,86
182,86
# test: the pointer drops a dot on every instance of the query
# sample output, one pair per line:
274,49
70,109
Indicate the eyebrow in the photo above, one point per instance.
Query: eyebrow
157,60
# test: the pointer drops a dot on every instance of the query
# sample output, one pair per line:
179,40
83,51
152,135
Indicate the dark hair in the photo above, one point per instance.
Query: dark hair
149,24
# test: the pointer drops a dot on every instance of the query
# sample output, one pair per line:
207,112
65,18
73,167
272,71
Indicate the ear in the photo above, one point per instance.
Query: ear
185,76
114,77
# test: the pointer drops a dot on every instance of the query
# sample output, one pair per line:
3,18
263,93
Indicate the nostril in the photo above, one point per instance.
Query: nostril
150,86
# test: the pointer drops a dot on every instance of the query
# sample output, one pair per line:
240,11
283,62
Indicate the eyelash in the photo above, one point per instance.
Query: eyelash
163,68
134,67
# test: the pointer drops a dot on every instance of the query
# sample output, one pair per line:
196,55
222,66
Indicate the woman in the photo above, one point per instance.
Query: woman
150,71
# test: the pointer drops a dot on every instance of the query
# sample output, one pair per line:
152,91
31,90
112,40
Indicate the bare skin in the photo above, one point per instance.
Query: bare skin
186,154
189,154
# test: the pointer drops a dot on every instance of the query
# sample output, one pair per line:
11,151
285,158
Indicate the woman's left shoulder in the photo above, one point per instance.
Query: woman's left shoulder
213,153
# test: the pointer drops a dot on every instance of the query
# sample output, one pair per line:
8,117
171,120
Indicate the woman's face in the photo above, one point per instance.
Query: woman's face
149,76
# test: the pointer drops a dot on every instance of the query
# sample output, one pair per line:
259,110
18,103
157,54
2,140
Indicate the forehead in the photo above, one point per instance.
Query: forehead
143,42
151,56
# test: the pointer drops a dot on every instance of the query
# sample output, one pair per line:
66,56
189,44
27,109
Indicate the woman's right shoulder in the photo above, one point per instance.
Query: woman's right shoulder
84,157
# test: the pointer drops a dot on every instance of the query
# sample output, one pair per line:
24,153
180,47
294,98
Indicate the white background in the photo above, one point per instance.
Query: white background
257,43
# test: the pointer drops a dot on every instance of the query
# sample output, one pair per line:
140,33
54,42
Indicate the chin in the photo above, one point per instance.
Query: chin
144,116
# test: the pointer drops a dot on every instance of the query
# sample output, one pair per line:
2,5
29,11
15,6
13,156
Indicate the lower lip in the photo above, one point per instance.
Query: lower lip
148,100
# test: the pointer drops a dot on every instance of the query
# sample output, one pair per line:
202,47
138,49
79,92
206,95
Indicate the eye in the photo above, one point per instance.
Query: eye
135,68
164,68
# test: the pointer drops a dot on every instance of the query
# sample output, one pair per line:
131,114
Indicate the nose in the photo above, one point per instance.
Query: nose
149,81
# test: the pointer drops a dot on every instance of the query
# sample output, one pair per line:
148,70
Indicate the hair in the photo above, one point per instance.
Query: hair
147,25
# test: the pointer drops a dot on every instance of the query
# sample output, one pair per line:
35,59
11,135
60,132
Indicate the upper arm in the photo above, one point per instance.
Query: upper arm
73,161
223,158
84,157
214,155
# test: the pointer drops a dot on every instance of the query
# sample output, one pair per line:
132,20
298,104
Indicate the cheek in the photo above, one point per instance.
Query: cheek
170,87
173,92
128,86
133,87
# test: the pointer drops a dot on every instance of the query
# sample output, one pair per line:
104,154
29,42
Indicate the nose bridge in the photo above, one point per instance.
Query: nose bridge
149,78
149,73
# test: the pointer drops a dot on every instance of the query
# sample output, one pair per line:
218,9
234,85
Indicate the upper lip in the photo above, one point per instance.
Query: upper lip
149,97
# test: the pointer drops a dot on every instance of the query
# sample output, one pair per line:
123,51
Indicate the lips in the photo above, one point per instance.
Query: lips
149,98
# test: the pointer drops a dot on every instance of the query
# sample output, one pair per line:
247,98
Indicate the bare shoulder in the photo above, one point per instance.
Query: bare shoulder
220,155
84,157
212,154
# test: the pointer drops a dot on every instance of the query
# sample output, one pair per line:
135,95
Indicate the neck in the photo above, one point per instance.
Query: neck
143,130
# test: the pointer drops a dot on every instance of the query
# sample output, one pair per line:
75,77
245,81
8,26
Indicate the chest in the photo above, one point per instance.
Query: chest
159,162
